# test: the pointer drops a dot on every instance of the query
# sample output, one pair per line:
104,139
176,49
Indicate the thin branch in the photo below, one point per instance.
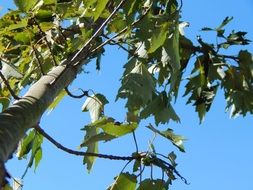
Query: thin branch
9,87
76,59
80,153
47,42
140,174
98,30
162,178
198,49
121,32
114,42
135,142
151,172
84,93
37,56
181,5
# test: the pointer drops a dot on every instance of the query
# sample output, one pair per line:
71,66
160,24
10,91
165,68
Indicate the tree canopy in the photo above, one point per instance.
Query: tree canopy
46,44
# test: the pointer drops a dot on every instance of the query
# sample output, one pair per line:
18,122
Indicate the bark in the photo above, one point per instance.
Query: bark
26,112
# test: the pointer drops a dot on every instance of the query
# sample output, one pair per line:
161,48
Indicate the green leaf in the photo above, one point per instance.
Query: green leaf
138,87
37,150
158,38
201,109
176,140
37,157
161,109
5,102
25,145
110,127
48,2
152,185
246,63
91,147
95,105
96,138
137,165
57,100
101,4
18,25
117,24
24,37
124,181
224,23
170,53
25,5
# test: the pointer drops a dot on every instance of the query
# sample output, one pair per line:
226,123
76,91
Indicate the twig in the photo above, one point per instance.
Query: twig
76,59
114,42
140,174
198,49
98,30
80,153
84,93
47,42
135,142
151,172
38,59
9,87
121,32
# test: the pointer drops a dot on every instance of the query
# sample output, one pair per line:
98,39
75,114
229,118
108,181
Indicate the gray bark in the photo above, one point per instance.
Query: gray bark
26,112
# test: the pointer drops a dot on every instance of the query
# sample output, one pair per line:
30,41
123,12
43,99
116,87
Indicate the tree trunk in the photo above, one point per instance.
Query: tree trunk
26,112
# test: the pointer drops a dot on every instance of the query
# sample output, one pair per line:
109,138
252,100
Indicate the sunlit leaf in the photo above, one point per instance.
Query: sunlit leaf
152,185
95,105
111,129
177,140
124,181
138,87
25,5
57,101
224,23
101,4
161,109
158,38
37,158
25,145
91,147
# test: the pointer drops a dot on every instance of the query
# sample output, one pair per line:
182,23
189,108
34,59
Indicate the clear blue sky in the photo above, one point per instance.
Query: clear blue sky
218,153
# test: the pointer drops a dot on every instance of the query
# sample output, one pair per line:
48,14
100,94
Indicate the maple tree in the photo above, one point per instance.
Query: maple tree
45,45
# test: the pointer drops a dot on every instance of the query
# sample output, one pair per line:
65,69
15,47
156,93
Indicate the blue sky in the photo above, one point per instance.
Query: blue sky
218,152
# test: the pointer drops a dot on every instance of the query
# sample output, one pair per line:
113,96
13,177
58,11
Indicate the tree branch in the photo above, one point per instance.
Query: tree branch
80,153
47,42
121,32
84,93
99,30
37,56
